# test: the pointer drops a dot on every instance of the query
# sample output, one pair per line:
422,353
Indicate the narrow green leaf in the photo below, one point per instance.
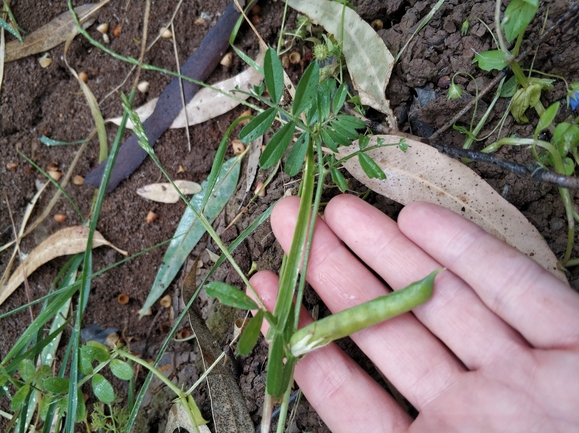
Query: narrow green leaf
27,370
546,118
277,146
350,122
258,126
102,389
339,179
81,407
273,382
250,335
121,369
518,15
490,60
328,140
10,29
339,138
345,130
190,228
44,405
19,397
370,167
56,385
230,295
323,101
339,98
306,88
273,73
295,159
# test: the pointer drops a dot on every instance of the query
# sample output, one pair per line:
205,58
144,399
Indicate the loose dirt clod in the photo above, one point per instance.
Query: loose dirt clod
151,217
103,28
60,217
143,86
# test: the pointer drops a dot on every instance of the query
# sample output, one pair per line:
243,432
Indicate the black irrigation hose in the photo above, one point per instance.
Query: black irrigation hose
277,411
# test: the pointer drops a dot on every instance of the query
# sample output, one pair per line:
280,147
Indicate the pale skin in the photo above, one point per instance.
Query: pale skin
496,348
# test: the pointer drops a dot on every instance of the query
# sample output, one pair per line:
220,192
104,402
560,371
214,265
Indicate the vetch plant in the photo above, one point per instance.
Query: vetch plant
525,91
315,118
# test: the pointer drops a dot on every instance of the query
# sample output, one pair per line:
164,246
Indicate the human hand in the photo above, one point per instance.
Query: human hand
496,348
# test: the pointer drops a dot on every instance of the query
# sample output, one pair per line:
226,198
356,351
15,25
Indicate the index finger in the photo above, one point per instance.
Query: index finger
529,298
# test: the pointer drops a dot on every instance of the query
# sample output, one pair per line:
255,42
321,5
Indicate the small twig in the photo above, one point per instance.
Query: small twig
534,171
501,74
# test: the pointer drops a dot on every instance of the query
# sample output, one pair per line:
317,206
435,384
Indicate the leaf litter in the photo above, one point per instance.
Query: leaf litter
166,193
70,240
421,173
369,61
56,32
208,103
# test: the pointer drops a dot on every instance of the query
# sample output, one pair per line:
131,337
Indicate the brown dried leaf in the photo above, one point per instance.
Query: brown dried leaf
52,34
71,240
207,103
165,193
423,174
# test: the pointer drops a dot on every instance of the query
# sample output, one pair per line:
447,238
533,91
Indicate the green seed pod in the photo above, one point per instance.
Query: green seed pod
454,91
362,316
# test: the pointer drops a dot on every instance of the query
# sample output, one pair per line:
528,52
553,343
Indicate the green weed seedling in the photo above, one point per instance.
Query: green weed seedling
560,153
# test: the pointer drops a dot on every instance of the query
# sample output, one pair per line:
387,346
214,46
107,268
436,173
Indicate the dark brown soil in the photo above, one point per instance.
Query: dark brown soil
36,101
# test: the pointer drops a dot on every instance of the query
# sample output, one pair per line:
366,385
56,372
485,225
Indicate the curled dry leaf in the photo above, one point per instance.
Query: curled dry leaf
71,240
207,104
423,174
57,31
369,61
166,193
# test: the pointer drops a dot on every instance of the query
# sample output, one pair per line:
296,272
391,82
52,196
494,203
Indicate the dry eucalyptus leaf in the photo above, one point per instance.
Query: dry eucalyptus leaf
179,420
71,240
57,31
423,174
166,193
369,61
207,103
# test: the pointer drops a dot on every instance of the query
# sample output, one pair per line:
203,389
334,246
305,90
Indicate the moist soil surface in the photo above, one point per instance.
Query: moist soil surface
36,101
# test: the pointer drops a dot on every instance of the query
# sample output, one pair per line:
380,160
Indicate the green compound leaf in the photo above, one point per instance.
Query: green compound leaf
56,385
490,60
102,389
250,335
27,370
121,369
277,146
273,73
339,179
350,121
345,130
518,15
230,295
306,88
339,98
546,118
258,126
273,383
19,397
190,228
328,140
295,159
372,170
